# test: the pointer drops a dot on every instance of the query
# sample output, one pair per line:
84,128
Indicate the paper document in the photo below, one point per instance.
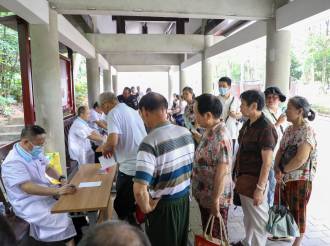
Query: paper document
189,125
105,163
103,171
90,184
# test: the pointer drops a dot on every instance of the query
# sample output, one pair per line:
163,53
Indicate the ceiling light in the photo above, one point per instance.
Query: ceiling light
53,7
270,16
91,8
137,10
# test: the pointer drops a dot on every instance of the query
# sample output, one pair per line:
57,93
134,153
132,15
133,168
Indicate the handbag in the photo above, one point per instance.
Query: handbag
281,222
140,216
208,240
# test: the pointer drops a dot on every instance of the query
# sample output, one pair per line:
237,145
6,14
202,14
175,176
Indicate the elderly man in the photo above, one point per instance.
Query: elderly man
125,133
114,233
164,165
80,134
31,194
128,99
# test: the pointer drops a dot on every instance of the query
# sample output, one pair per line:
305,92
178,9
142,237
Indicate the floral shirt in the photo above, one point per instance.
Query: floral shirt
214,148
304,133
189,112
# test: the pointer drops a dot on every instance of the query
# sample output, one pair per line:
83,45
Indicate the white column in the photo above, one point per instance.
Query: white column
93,76
278,55
183,75
107,77
47,85
207,68
115,84
171,88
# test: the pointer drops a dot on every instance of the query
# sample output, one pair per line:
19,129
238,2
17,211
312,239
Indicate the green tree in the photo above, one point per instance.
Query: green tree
295,68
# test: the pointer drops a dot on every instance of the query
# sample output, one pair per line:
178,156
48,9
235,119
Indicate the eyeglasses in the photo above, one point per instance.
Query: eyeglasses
271,97
38,145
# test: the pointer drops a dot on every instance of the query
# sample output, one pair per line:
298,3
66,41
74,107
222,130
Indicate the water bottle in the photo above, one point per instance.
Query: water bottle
284,109
105,138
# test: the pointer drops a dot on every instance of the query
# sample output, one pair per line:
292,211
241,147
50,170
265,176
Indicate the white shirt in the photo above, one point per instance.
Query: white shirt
141,94
94,116
231,122
105,118
129,126
183,105
268,113
35,209
79,145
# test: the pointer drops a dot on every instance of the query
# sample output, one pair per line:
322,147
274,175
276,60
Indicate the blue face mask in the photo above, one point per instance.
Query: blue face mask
223,91
36,151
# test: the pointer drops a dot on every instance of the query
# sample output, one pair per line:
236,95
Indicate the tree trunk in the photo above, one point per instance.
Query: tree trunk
3,67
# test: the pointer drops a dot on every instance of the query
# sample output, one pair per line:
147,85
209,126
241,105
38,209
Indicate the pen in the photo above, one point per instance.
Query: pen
73,186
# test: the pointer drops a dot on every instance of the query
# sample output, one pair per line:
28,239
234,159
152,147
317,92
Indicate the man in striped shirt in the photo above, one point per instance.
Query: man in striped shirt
164,164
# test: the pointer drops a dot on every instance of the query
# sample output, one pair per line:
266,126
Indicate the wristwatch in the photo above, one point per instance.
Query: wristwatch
61,177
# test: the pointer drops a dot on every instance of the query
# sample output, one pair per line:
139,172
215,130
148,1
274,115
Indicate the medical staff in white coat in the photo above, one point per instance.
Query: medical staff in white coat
31,194
80,134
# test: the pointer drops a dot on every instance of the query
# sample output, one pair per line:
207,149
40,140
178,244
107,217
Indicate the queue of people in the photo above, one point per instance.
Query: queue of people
159,168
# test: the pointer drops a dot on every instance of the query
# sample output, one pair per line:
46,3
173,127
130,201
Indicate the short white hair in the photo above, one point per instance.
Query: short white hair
107,97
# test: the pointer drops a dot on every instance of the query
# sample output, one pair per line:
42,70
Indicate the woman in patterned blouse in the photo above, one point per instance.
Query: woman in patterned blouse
212,181
296,172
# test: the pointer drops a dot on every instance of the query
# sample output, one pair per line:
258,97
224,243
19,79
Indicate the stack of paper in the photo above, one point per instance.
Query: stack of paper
90,184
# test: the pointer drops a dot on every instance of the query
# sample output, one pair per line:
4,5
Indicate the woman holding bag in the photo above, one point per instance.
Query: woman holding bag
212,182
295,162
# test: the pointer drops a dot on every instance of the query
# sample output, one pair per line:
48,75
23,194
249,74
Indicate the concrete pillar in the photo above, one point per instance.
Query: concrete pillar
115,84
207,68
93,75
171,90
107,77
278,54
183,75
47,85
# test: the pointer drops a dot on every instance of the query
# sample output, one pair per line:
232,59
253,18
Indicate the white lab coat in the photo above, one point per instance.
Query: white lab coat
79,145
35,209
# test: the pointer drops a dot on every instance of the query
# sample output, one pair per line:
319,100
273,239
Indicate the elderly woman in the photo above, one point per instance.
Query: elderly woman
271,110
295,162
212,181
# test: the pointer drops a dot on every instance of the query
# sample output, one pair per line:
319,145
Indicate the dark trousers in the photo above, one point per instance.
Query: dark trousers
168,224
124,203
234,142
97,154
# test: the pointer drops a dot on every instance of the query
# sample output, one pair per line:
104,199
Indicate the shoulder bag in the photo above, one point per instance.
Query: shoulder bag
229,109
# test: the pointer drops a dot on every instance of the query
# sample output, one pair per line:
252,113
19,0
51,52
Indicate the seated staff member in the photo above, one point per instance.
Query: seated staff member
231,108
95,118
128,99
31,194
80,134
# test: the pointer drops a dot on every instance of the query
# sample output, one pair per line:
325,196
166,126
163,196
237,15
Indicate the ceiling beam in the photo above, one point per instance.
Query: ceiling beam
309,13
144,59
69,36
148,19
191,61
248,34
140,43
103,63
33,11
210,9
142,68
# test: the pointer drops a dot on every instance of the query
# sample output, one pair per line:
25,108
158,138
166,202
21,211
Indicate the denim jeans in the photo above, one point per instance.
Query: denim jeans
272,184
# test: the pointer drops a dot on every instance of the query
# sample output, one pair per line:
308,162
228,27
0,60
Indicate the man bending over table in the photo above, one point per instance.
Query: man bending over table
31,194
125,133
